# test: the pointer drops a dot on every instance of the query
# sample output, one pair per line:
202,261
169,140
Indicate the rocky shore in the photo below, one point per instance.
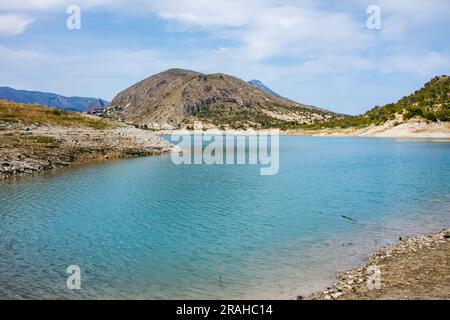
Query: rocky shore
415,268
413,129
31,149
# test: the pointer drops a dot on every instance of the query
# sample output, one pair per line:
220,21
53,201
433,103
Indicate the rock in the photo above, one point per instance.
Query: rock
337,295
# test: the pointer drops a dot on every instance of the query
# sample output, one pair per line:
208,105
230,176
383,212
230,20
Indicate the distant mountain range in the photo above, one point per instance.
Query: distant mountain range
177,98
263,87
80,104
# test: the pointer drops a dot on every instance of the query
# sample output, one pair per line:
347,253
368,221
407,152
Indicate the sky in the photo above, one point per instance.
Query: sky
321,53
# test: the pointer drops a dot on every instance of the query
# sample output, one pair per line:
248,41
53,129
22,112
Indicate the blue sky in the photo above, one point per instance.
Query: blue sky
316,52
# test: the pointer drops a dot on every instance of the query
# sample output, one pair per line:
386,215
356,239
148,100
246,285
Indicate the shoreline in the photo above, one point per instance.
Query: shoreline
70,146
414,130
35,149
413,268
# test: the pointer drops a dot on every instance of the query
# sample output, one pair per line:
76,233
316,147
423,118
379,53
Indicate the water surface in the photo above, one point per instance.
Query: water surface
148,229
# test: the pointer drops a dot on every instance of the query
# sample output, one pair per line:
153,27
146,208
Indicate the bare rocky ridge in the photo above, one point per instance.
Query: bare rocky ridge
176,98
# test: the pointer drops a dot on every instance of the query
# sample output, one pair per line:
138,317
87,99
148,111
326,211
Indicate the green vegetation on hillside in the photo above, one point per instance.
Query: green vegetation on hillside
12,112
236,119
219,116
223,114
432,102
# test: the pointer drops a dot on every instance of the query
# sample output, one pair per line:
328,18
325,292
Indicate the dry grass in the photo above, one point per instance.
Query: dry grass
41,139
32,114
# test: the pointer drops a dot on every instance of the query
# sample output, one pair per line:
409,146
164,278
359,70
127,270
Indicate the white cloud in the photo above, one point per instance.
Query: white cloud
39,5
264,29
13,24
100,73
206,13
427,64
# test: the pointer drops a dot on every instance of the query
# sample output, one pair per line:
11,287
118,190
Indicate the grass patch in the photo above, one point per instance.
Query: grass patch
32,114
42,139
8,118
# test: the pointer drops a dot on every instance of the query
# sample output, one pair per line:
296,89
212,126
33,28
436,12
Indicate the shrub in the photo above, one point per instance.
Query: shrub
443,115
430,116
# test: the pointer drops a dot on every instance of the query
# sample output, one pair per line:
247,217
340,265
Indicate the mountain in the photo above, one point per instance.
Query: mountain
263,87
52,100
176,98
430,103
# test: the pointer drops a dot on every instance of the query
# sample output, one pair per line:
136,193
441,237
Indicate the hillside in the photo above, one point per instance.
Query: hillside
35,139
264,88
28,114
80,104
176,98
431,104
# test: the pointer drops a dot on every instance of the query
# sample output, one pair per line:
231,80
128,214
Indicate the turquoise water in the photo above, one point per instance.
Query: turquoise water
148,229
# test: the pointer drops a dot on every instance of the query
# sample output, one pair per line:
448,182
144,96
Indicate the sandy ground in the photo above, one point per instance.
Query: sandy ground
413,129
415,268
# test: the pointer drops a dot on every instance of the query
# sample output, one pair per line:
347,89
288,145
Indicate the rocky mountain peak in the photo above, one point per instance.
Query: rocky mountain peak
177,98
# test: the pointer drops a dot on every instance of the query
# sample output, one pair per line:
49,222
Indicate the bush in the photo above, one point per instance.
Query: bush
443,115
413,112
430,116
57,112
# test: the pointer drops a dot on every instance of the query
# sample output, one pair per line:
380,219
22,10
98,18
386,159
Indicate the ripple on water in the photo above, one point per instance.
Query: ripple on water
145,228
